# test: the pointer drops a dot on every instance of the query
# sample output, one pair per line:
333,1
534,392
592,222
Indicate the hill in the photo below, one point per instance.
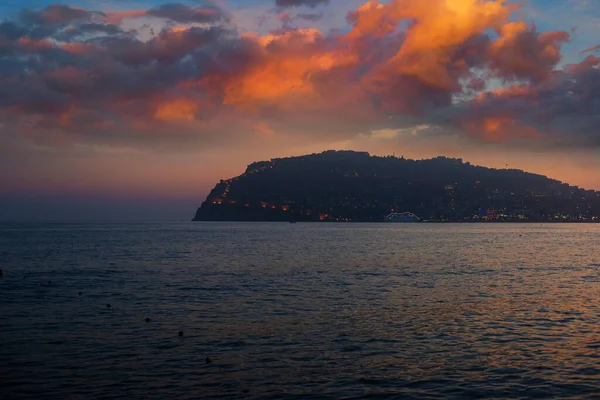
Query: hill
355,186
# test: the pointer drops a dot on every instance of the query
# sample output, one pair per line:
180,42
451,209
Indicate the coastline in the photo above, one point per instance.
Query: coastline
413,222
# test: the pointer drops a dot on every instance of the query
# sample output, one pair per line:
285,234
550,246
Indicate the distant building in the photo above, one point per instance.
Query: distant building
521,214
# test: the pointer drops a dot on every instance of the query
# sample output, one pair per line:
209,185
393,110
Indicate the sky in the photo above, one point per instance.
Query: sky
133,110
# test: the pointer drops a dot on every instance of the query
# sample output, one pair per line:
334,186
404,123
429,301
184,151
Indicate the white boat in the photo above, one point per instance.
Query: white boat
402,217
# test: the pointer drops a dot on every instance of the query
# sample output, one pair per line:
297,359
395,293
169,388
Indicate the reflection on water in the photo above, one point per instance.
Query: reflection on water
297,310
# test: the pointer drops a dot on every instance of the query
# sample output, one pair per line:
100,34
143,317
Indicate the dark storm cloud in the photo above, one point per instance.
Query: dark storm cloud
527,53
47,22
10,31
300,3
167,47
309,17
184,14
54,14
563,111
100,69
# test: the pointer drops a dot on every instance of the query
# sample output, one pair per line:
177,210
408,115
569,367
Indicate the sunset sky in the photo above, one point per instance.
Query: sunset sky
131,110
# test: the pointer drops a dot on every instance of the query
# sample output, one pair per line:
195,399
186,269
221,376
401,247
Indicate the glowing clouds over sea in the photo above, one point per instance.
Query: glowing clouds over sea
178,76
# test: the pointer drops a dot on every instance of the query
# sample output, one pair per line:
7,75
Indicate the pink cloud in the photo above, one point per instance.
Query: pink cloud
405,59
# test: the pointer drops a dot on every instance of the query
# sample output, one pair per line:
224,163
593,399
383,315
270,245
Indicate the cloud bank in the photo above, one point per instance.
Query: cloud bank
187,76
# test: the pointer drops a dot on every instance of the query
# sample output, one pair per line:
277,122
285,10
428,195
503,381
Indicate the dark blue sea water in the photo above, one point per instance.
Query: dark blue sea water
288,311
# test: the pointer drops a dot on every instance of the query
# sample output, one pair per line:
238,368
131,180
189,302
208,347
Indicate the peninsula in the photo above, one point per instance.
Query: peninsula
349,186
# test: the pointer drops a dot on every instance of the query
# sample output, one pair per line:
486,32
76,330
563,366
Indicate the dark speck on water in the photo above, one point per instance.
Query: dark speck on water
415,311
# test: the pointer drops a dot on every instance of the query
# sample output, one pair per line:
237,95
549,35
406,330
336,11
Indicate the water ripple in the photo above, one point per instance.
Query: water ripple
299,311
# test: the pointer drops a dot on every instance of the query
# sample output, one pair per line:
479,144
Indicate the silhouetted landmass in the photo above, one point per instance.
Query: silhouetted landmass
354,186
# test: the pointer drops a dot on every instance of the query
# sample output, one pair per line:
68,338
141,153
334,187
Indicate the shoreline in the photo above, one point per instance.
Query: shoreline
413,222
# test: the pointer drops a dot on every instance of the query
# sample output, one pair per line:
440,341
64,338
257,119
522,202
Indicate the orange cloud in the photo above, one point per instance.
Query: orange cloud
405,60
284,74
501,129
79,48
521,52
372,19
264,129
523,91
177,110
428,53
590,63
437,31
33,45
65,117
591,49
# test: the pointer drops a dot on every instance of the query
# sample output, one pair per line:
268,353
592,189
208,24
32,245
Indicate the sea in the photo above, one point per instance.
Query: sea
299,311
